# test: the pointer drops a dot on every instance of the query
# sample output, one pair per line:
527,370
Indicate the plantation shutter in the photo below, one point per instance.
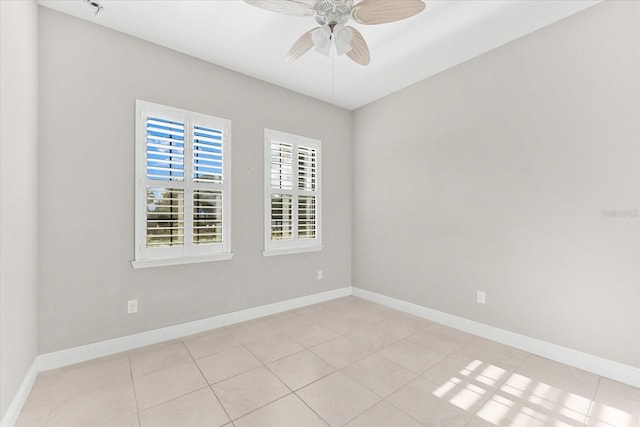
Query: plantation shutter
292,198
307,187
282,196
208,182
207,155
184,187
165,163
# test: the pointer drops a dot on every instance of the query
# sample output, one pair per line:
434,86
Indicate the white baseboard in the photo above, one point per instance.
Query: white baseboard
73,355
58,359
597,365
13,411
587,362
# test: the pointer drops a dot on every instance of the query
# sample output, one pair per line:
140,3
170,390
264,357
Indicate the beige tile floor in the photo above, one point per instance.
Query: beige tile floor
346,362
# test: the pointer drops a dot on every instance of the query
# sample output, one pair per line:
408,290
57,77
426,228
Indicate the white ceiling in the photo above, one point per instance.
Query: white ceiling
253,41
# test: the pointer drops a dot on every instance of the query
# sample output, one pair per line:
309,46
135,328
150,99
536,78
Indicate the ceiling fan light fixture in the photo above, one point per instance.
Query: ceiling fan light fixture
336,36
324,49
321,38
332,15
342,37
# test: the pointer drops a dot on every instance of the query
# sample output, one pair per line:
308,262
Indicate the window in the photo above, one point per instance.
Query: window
182,186
293,198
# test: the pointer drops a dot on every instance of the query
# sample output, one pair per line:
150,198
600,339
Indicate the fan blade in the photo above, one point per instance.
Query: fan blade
359,52
287,7
371,12
301,46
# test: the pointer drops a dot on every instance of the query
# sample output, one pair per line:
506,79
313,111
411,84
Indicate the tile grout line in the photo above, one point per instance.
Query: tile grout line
55,393
400,409
294,392
171,367
593,401
500,385
495,389
232,420
135,393
210,386
309,406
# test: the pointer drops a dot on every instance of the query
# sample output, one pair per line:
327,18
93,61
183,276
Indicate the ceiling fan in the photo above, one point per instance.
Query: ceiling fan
332,15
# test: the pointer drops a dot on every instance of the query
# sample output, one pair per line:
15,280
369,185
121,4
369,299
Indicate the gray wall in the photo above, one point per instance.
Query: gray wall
494,176
90,77
18,194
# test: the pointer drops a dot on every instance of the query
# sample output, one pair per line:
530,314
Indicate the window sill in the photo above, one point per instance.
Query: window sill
163,262
290,251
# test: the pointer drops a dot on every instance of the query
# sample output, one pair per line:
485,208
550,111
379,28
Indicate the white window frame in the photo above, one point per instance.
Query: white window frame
295,245
188,252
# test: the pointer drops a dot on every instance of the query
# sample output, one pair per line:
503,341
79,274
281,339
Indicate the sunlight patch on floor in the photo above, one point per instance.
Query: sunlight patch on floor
605,415
464,396
522,400
496,409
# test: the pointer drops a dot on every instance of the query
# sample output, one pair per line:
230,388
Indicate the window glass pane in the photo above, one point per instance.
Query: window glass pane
306,169
281,217
207,154
165,149
307,217
207,217
281,166
165,217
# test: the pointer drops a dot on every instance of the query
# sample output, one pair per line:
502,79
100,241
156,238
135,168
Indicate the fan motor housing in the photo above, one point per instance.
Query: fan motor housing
333,12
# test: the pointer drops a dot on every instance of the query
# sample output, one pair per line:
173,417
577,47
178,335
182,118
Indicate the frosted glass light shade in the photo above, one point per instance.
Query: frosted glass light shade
321,38
342,37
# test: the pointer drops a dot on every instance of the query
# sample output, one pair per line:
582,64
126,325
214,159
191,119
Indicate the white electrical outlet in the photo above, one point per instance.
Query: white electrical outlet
132,306
480,297
319,274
